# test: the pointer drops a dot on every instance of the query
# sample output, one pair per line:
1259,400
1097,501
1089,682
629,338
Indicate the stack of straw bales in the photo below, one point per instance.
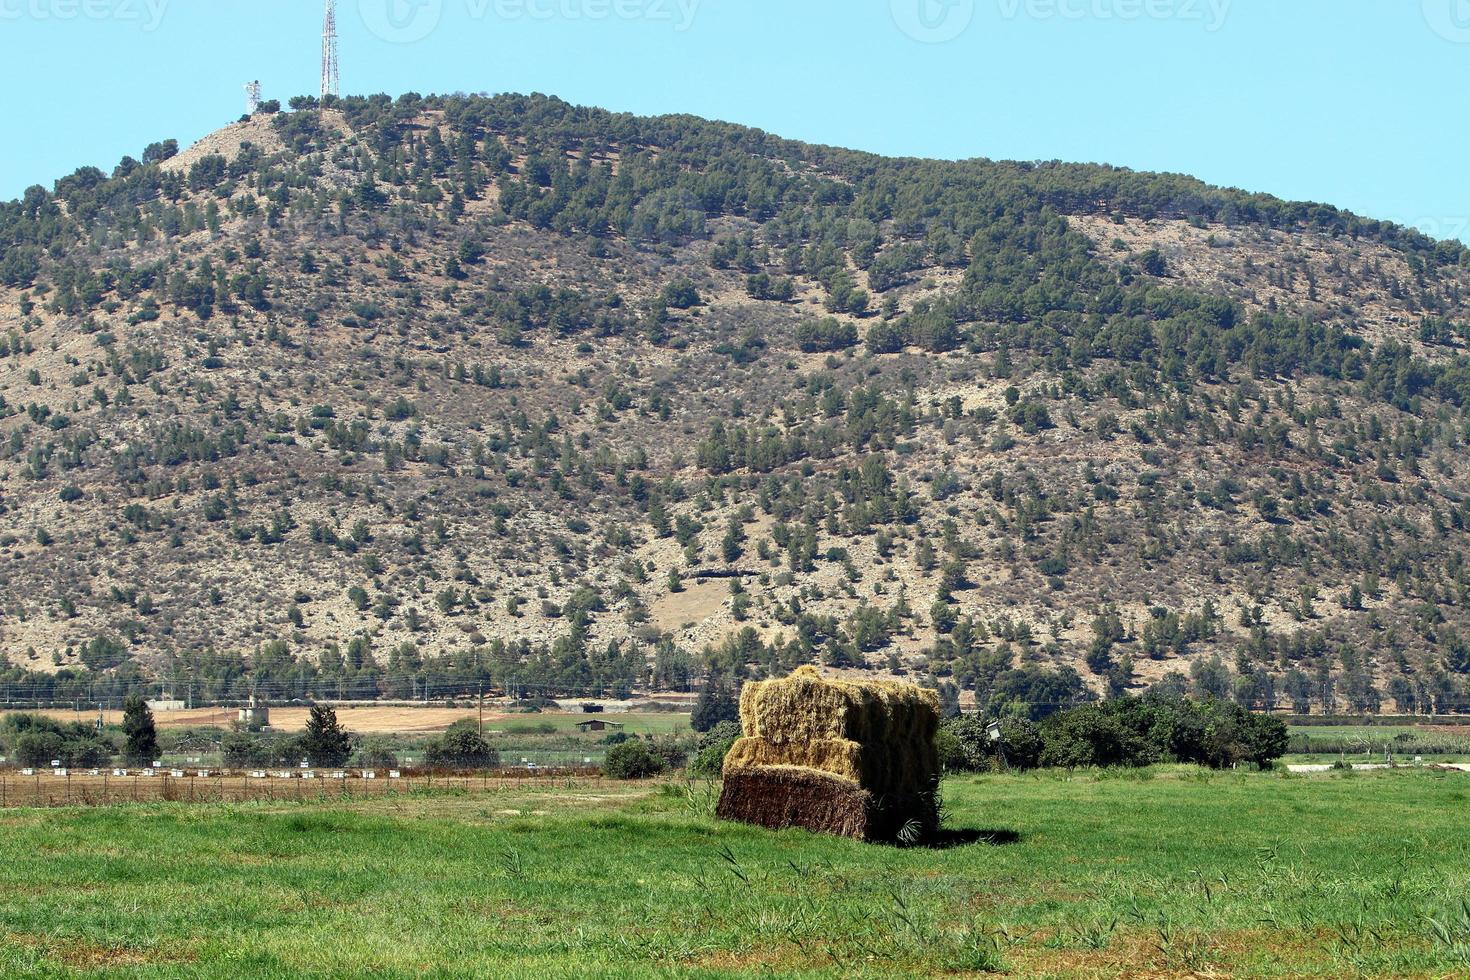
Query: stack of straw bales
855,759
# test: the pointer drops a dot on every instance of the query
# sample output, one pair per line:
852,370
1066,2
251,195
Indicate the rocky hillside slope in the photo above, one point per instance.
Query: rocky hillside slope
469,392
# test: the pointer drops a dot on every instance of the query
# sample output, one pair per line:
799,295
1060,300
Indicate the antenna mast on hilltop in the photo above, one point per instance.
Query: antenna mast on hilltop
252,97
331,80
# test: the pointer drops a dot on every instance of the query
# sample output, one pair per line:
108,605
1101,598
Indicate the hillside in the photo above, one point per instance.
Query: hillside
469,392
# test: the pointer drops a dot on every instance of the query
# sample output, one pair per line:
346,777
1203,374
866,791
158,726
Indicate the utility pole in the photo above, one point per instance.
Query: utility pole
482,709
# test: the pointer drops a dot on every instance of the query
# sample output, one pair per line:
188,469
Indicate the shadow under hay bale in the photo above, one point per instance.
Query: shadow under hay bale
834,757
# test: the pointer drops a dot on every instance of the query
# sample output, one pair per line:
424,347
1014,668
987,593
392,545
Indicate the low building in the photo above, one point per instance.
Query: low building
596,725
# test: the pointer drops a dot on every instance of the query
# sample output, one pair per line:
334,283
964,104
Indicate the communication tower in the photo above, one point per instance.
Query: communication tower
331,80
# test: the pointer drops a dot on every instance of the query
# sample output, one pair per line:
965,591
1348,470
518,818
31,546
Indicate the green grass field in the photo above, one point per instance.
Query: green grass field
1162,873
1370,743
633,722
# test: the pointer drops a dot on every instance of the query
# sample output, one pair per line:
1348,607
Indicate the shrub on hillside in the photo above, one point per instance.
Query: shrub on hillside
828,334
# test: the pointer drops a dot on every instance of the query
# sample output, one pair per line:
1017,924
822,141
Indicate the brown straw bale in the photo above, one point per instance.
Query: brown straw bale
806,707
836,757
779,797
877,738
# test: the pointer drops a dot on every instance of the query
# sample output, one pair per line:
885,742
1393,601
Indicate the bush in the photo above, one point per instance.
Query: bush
825,335
709,758
965,745
680,295
376,753
462,747
1094,737
37,748
633,759
674,753
886,338
1142,731
723,733
242,749
710,762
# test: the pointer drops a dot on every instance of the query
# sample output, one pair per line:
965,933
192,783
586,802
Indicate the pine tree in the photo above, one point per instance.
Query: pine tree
715,704
326,742
142,734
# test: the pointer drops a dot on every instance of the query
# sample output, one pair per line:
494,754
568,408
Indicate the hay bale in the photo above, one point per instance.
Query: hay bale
875,740
806,707
836,757
779,797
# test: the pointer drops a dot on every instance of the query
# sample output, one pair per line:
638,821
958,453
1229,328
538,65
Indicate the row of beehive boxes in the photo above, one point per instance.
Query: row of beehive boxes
62,771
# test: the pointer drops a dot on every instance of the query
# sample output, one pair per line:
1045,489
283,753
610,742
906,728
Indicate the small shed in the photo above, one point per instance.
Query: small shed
596,725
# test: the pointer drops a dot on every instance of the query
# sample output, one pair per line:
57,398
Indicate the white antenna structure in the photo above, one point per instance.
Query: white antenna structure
252,97
331,77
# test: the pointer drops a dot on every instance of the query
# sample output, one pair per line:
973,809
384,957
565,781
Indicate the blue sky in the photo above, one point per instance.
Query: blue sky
1358,103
